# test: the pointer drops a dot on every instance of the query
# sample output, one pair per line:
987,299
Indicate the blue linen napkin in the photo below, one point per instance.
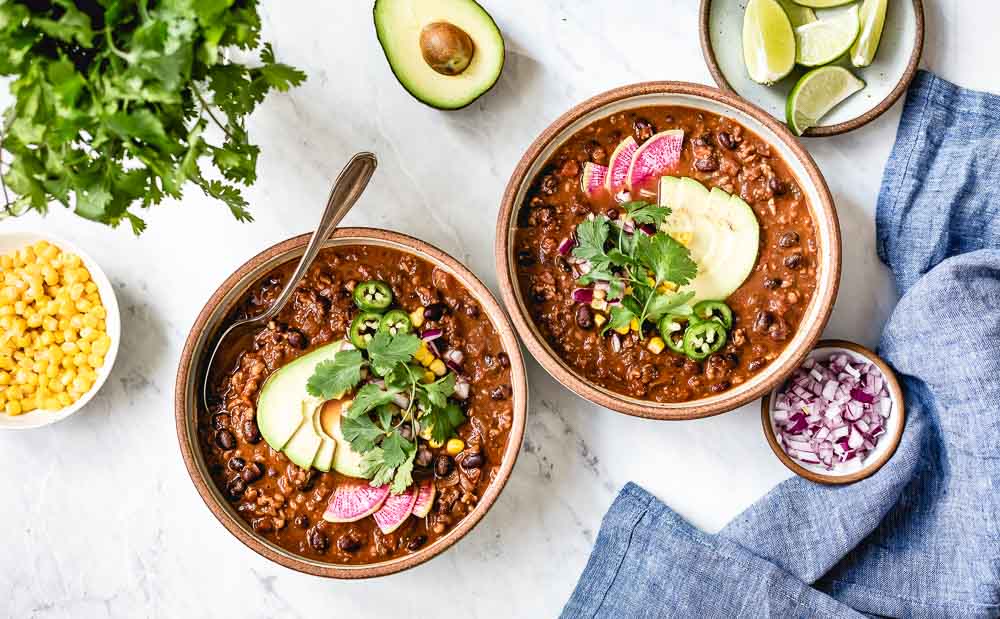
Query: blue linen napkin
920,538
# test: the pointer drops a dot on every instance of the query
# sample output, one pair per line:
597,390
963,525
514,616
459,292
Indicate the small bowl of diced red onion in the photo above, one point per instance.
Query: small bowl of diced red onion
838,417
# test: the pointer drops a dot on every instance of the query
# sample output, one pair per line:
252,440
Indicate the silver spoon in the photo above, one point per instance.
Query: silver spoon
345,192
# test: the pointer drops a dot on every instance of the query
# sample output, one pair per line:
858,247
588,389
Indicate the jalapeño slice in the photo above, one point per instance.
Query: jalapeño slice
672,328
714,310
363,329
372,295
396,322
703,339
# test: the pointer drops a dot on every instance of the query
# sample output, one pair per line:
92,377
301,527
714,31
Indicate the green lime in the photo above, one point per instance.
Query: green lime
816,93
821,42
872,22
768,41
822,4
797,14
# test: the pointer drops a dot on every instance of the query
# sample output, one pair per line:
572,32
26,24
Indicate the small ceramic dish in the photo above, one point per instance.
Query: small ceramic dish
887,443
191,368
14,240
895,65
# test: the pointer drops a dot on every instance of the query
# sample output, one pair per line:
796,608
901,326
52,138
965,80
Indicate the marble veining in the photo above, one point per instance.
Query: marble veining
99,518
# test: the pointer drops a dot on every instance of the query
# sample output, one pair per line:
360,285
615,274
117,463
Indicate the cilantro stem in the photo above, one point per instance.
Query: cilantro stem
208,110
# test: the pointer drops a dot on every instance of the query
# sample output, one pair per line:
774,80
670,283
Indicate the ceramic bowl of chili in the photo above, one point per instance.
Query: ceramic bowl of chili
215,447
680,366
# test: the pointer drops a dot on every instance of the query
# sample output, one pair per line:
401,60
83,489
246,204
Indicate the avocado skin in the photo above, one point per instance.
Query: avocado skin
404,84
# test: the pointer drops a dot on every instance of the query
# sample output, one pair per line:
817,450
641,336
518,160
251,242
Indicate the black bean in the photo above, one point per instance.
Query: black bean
788,239
442,465
720,386
263,525
225,439
779,332
349,543
756,364
777,187
251,433
763,321
434,311
251,472
318,541
471,310
472,461
525,258
500,393
726,139
273,472
772,282
643,129
220,421
612,214
708,164
296,339
794,261
416,542
406,431
584,319
301,521
504,359
235,488
236,463
424,457
550,184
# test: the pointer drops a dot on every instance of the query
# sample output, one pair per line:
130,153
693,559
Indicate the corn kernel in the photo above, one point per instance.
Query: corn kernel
434,444
622,330
428,377
656,345
13,408
95,361
599,294
417,317
64,399
438,367
599,319
634,324
454,446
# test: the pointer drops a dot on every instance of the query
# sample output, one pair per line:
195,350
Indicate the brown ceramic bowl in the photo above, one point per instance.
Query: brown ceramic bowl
781,141
886,445
205,330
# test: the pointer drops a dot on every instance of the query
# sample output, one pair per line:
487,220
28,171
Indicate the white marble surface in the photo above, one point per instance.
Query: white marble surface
99,517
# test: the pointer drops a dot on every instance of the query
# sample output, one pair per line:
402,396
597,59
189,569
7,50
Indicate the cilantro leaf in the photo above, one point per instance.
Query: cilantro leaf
331,379
369,397
444,421
661,303
386,351
439,391
645,213
403,478
590,237
666,258
392,462
361,432
621,316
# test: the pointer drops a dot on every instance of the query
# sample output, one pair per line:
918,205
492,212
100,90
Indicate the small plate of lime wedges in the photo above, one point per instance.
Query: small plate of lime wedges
824,67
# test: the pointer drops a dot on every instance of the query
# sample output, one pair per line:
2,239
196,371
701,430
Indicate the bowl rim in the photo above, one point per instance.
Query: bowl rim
708,52
188,370
895,392
824,213
109,299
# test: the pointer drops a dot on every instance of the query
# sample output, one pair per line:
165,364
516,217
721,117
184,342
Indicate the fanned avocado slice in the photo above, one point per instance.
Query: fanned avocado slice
446,53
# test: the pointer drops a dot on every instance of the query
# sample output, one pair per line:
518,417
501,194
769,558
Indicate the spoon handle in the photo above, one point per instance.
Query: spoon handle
345,192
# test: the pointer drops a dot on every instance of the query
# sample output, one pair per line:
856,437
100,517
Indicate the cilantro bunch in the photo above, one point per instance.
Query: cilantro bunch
373,422
113,99
636,262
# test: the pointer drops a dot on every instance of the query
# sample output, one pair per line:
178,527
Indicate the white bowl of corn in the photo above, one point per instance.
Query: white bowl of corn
59,329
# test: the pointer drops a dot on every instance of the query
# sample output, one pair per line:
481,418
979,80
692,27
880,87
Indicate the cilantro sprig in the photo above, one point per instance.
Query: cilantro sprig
638,262
373,423
113,104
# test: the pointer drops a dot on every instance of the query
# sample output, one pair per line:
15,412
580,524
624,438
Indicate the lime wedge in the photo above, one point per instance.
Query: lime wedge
768,41
872,22
816,93
822,4
797,14
821,42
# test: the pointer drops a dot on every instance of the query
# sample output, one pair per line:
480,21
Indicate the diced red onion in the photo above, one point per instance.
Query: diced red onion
566,246
616,342
649,229
861,396
602,286
401,401
623,196
429,335
462,390
629,227
583,295
454,367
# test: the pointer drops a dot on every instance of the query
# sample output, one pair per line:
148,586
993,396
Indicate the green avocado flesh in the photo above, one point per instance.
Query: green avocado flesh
723,230
399,24
292,421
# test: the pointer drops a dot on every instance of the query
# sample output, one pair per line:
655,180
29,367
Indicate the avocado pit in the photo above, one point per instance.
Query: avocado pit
446,48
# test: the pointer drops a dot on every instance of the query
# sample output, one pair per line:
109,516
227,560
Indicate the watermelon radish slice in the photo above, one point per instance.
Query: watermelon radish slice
619,164
425,499
352,501
396,510
657,155
592,179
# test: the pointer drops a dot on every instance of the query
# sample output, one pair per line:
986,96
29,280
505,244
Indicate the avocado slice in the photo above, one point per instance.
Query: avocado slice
283,404
346,461
723,231
303,446
446,53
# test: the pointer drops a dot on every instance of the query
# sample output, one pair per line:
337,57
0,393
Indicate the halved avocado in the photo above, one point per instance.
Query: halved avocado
345,461
723,230
446,53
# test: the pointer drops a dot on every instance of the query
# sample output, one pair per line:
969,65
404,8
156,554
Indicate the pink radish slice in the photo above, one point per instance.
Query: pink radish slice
425,499
619,163
592,179
352,501
657,155
396,510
